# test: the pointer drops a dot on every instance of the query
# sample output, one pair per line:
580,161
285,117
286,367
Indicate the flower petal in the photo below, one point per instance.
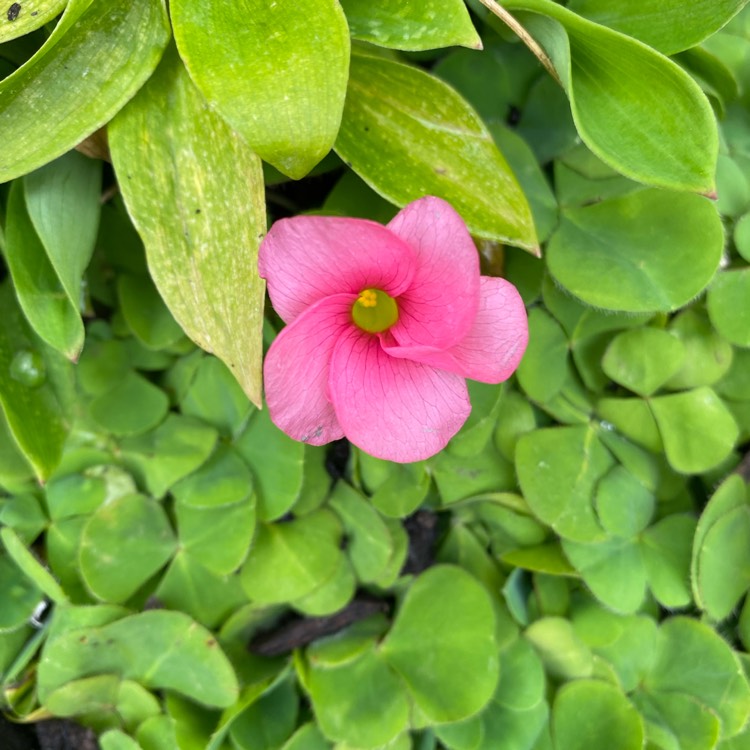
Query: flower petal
392,408
492,349
296,371
307,258
441,303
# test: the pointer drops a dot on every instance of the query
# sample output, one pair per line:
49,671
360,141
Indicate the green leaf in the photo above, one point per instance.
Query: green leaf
289,560
698,430
590,713
689,724
411,26
728,306
97,57
45,302
32,15
666,548
610,256
667,25
19,595
562,652
159,649
165,455
708,355
693,659
215,397
558,469
448,657
395,115
277,462
643,359
542,371
145,312
31,567
361,702
623,504
32,410
123,544
190,587
114,739
268,722
275,72
612,569
723,563
133,405
182,171
369,542
638,130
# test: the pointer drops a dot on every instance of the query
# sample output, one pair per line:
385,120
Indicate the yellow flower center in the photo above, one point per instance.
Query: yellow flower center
374,311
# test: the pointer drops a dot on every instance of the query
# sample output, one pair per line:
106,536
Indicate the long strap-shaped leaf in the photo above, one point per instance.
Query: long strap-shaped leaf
634,108
98,56
195,192
22,18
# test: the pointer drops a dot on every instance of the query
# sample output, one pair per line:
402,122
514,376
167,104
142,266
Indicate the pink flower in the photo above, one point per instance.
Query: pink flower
383,326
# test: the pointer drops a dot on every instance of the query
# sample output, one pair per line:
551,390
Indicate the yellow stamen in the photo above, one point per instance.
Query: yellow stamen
374,311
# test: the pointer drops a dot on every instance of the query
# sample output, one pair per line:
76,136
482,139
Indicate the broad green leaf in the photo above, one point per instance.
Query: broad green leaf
398,115
742,236
542,558
723,563
369,542
91,694
411,26
735,384
123,544
32,410
31,15
165,455
45,302
643,359
195,192
447,656
192,588
542,371
215,397
667,25
609,256
612,569
62,201
562,652
633,418
268,722
277,462
666,548
332,595
158,648
217,537
145,313
695,660
115,739
730,495
31,567
623,504
708,356
690,724
276,72
698,430
558,469
289,560
307,737
729,306
133,405
404,489
97,57
591,713
638,130
361,702
19,595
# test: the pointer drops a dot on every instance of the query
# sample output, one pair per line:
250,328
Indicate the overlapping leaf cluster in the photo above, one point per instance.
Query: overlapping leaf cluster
585,536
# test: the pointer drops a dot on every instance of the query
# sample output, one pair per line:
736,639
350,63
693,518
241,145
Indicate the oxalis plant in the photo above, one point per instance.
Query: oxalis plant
491,492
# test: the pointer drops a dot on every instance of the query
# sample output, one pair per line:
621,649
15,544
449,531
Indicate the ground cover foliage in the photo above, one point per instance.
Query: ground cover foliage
571,572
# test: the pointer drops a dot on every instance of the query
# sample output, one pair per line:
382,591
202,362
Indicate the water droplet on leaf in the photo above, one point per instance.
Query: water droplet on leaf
28,368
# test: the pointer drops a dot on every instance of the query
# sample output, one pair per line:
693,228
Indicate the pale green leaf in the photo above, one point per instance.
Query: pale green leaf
275,71
395,115
98,56
195,192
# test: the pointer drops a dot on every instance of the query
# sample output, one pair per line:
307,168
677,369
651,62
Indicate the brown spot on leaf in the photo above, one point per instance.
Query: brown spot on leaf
14,11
